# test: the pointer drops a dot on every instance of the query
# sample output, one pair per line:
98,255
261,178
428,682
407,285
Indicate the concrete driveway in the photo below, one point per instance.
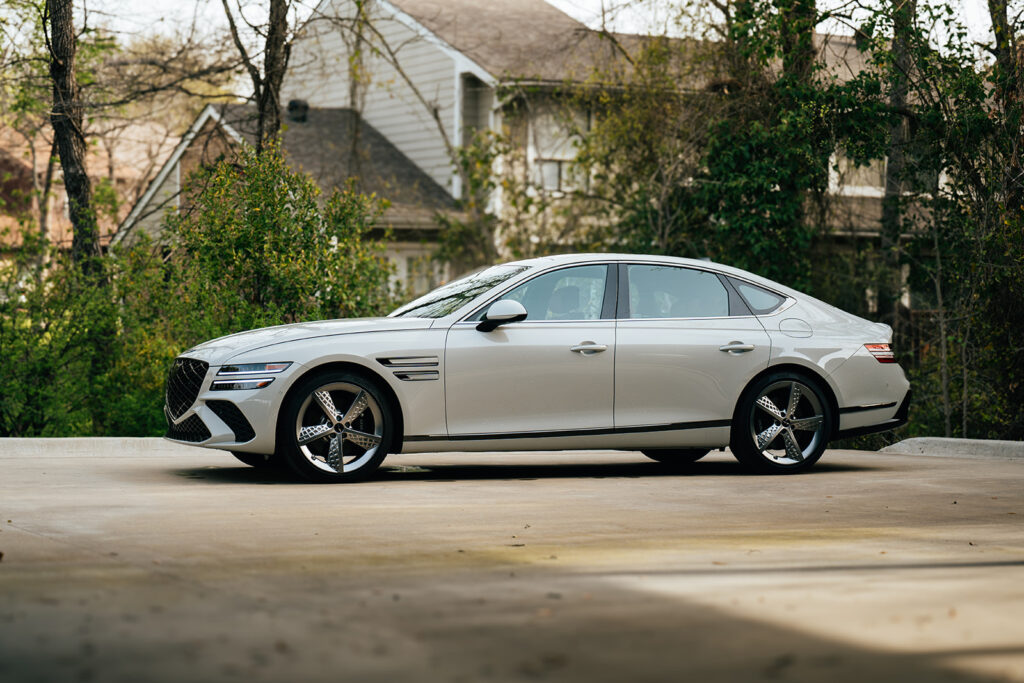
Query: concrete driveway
137,560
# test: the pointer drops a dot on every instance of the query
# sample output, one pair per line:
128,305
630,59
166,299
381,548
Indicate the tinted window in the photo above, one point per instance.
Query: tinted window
670,292
575,293
759,299
452,296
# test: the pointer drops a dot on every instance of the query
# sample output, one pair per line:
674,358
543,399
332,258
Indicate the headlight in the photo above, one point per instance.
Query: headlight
243,377
253,369
240,384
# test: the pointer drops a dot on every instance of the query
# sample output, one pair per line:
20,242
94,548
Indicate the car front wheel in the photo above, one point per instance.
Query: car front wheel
782,424
336,427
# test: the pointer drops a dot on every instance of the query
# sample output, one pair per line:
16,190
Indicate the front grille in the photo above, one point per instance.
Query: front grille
183,385
192,430
234,419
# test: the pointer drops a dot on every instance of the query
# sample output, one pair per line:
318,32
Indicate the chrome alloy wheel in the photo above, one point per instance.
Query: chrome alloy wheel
787,422
339,428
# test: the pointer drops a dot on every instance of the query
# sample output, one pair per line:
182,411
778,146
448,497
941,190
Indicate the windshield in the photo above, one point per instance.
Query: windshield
452,296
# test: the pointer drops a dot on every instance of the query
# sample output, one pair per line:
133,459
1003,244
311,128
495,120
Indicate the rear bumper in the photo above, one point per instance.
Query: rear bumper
896,421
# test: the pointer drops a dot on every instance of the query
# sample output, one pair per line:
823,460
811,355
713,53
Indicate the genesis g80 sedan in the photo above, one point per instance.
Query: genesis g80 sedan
671,357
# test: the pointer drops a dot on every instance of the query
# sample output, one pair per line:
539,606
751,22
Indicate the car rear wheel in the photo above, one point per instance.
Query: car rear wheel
336,427
676,456
782,424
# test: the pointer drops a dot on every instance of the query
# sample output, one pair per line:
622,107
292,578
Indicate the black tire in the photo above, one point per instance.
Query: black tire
346,446
787,439
258,460
676,456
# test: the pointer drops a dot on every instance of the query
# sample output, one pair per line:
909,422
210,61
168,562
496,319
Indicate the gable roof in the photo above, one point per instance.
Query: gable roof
333,145
512,39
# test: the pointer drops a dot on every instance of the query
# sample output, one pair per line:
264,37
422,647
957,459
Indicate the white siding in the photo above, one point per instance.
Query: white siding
164,199
320,75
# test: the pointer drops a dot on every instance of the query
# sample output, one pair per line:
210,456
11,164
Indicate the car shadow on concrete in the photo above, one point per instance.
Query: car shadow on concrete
470,471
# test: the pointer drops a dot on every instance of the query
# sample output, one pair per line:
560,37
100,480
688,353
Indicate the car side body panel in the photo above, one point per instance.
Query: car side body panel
673,370
529,371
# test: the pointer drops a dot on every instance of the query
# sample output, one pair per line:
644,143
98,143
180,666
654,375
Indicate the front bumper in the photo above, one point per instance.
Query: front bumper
239,420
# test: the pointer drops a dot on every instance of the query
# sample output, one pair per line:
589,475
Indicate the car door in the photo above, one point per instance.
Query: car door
552,372
686,346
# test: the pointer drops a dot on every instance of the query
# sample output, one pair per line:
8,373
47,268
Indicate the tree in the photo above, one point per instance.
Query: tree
256,248
68,131
267,69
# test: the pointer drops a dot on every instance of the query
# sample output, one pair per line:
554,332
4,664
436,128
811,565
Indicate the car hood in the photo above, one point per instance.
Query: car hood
217,351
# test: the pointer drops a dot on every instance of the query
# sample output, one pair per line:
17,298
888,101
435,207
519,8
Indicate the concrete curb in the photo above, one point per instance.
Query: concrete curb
958,448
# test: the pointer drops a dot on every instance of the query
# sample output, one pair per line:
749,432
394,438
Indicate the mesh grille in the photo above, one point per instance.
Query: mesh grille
183,385
234,419
192,430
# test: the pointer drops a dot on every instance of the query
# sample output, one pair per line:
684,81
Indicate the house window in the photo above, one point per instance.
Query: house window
558,175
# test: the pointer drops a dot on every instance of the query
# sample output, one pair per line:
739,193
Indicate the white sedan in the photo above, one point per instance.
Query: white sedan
672,357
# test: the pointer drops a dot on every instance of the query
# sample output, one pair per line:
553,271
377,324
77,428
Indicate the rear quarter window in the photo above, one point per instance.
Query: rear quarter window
760,300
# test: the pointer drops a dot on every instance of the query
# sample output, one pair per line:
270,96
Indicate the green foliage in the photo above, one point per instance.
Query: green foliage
255,247
53,324
88,354
466,237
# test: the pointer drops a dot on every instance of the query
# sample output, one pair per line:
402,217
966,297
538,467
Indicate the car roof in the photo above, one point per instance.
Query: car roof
567,259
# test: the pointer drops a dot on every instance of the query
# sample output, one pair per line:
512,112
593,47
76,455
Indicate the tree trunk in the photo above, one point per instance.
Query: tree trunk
66,119
266,85
275,62
889,281
799,18
44,192
1009,93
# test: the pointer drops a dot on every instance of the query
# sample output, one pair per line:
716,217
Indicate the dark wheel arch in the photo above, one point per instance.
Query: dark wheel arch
341,366
335,427
783,422
807,372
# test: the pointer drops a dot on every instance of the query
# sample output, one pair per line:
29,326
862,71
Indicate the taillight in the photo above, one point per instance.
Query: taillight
882,352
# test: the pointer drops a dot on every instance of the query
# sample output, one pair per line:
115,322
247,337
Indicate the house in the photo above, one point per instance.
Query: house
396,87
333,145
427,74
122,157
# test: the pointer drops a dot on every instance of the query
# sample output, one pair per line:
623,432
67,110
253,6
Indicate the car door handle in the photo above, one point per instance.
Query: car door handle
588,348
736,347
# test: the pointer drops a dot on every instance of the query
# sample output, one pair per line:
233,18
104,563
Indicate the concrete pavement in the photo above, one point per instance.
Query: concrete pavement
128,560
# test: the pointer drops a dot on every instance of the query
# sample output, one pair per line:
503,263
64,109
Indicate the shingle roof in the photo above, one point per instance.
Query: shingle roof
336,144
520,39
533,41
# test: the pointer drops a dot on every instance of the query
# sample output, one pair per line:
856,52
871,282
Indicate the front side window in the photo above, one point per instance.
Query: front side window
672,292
575,293
452,296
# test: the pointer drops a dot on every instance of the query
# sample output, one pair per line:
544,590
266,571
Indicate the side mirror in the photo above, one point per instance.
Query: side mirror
501,312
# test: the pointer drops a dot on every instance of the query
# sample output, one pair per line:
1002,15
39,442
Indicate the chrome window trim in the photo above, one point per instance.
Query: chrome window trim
716,273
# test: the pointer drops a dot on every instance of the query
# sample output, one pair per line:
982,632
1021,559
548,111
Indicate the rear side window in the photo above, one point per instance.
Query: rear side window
671,292
760,300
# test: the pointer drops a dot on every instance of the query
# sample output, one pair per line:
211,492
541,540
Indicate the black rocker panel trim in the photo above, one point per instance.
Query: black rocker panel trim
859,409
677,426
